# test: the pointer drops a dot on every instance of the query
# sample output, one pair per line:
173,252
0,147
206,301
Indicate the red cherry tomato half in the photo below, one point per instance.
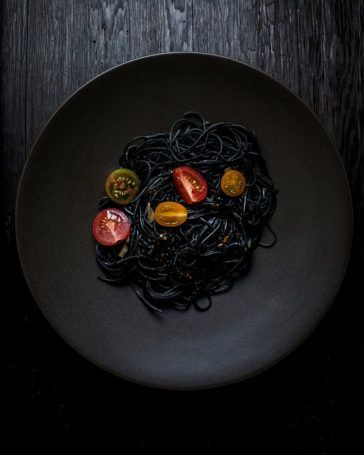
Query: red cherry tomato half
111,226
190,184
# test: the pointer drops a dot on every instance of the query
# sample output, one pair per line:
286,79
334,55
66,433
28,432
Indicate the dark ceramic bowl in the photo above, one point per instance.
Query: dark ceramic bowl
269,312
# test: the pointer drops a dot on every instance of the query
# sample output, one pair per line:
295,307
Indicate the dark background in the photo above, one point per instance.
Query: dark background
54,400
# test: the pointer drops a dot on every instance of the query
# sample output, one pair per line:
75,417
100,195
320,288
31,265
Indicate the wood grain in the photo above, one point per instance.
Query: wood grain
164,26
13,60
70,42
331,56
316,48
304,46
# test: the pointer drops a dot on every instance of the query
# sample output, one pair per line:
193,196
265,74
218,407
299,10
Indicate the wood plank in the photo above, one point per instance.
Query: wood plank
177,19
255,32
12,105
163,26
69,43
331,62
13,58
330,54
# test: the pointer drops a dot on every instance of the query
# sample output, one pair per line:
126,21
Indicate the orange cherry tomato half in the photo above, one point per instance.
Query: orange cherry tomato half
170,214
122,186
190,184
111,226
233,183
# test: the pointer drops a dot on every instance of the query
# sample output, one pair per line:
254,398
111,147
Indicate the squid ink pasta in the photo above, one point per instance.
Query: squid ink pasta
184,212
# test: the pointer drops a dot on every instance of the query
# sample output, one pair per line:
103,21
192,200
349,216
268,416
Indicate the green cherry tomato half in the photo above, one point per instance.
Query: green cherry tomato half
122,186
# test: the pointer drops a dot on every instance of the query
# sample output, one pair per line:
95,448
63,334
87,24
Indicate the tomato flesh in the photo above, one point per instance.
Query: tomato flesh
111,226
233,183
190,184
122,185
170,214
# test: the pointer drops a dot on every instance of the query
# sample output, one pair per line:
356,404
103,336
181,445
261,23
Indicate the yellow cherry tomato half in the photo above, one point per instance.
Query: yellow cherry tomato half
233,183
122,186
170,214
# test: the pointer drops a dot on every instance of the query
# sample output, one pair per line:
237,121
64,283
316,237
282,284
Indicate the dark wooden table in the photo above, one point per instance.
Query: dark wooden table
311,403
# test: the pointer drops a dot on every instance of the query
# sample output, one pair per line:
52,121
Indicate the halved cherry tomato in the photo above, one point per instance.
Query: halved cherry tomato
170,214
190,184
111,226
233,183
122,186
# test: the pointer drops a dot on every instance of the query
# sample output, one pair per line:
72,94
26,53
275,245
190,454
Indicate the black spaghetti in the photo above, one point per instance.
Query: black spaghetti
176,267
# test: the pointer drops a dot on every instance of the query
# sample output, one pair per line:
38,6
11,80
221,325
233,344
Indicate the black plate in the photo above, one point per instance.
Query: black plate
268,313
